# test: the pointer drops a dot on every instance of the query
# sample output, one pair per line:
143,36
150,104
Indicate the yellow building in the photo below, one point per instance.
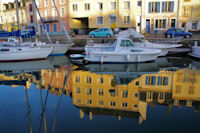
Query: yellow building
189,14
10,18
98,93
156,86
186,87
102,13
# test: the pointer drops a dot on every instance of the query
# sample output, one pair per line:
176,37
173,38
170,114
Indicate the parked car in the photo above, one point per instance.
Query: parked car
177,33
101,32
4,33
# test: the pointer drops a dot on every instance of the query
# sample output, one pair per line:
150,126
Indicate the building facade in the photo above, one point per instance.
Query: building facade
189,15
50,17
10,17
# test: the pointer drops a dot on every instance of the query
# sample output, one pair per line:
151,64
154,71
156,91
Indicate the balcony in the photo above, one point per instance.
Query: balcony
50,19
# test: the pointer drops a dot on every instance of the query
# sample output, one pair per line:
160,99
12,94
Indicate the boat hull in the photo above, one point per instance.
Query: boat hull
26,54
120,58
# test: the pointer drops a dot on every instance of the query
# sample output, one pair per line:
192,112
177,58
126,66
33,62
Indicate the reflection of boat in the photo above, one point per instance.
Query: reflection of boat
27,66
32,66
122,50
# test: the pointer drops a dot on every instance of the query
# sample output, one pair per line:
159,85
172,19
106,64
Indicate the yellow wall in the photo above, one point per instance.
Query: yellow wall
132,99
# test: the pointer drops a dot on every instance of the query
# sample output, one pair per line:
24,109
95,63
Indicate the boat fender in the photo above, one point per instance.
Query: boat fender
128,57
101,60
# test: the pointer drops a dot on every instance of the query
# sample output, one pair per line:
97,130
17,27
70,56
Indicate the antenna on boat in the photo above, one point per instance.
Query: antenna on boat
18,21
42,22
60,20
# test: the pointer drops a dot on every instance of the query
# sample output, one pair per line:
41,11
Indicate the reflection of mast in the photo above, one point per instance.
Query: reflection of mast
44,104
29,109
57,110
43,113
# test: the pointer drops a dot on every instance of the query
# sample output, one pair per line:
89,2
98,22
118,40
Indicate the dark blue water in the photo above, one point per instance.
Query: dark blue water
39,110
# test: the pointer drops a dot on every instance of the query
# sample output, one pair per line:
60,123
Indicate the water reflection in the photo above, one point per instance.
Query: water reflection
122,90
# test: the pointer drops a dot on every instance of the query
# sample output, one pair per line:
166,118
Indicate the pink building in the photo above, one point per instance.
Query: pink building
50,17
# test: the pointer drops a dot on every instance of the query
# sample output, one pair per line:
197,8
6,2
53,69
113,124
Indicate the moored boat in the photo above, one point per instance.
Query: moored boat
195,51
139,41
122,50
23,53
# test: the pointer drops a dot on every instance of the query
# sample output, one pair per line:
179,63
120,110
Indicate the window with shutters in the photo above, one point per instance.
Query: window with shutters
160,23
154,7
168,6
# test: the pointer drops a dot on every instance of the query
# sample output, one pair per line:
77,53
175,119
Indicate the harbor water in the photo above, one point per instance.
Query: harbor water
57,96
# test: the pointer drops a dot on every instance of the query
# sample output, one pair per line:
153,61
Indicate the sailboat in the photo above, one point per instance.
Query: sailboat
58,49
22,53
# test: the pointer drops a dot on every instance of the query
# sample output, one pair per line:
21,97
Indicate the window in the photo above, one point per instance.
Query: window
54,13
124,104
154,7
89,80
186,11
87,7
139,3
162,81
31,17
168,6
101,92
89,91
125,94
54,27
89,101
126,43
46,13
99,6
100,20
126,20
101,102
46,3
178,89
30,8
78,90
161,24
173,23
126,4
62,1
150,80
77,79
101,80
112,19
75,7
113,5
112,103
194,25
78,101
62,11
191,90
48,28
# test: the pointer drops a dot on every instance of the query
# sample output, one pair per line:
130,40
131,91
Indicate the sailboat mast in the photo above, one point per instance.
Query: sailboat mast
35,19
60,20
18,21
42,22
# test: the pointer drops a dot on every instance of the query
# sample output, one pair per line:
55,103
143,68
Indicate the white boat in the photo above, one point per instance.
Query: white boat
195,51
139,41
122,50
58,49
23,53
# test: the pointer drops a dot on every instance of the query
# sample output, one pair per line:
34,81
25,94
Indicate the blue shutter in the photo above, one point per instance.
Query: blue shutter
158,6
163,6
172,6
147,78
149,7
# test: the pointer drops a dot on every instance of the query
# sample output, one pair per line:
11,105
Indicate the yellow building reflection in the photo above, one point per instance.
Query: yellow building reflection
99,94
